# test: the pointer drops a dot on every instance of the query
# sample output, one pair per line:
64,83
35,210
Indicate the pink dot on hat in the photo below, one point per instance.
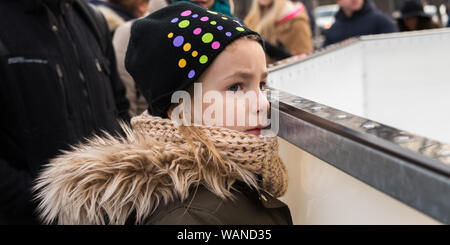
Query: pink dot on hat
186,13
204,18
197,30
215,45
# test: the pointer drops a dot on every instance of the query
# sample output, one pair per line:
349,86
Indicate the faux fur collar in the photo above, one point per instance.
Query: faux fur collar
107,179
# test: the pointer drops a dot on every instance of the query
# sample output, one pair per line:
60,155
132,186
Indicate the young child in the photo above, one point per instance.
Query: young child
166,173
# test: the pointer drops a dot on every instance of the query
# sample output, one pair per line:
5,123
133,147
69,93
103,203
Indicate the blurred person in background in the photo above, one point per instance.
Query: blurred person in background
357,18
117,12
120,42
413,18
284,26
312,21
58,85
221,6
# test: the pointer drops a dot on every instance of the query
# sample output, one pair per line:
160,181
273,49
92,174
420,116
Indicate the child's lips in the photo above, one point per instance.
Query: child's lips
255,131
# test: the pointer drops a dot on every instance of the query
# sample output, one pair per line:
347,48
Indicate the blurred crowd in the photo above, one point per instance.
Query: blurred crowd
63,78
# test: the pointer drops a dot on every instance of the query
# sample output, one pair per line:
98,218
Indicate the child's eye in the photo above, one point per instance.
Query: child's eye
235,87
262,86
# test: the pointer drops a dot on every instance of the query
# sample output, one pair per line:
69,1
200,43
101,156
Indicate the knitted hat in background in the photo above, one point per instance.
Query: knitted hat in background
171,48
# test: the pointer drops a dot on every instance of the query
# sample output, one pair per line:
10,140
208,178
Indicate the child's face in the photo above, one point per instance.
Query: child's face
240,68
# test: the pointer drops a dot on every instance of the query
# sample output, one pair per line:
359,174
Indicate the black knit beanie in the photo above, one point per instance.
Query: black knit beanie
172,47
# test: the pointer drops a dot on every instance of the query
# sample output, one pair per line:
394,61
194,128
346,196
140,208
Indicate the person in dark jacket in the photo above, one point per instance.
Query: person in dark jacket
414,18
357,18
171,172
58,85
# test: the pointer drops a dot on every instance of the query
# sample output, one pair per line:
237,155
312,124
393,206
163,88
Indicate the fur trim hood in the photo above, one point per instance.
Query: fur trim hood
107,179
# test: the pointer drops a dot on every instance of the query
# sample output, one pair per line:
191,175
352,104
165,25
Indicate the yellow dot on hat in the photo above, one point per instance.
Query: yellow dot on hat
170,35
184,24
203,59
212,12
207,37
182,63
225,18
187,47
194,53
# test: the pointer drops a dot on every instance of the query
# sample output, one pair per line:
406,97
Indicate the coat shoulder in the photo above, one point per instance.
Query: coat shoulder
205,208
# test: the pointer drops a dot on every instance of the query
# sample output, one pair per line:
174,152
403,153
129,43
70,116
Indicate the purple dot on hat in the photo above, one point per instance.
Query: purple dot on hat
197,30
186,13
215,45
191,74
174,20
220,28
228,34
178,41
194,15
204,18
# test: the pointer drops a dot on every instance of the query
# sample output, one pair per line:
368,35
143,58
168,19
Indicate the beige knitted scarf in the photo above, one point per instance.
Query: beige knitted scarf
104,180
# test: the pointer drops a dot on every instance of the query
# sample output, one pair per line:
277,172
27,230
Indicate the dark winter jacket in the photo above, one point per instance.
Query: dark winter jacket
367,21
58,84
204,208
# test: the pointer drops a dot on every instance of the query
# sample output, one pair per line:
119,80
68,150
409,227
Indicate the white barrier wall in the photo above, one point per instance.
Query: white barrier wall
320,194
401,80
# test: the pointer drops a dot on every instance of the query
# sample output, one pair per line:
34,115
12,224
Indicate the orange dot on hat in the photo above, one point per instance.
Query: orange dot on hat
194,53
187,47
182,63
170,35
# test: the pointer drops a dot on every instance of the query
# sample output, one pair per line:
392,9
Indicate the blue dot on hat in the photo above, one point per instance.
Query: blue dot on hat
178,41
191,74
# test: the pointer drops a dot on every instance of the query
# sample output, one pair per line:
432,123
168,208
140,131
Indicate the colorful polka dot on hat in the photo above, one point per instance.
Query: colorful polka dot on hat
171,48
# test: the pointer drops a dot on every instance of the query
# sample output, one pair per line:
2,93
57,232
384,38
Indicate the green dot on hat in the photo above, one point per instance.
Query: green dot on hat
183,24
240,28
207,37
203,59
